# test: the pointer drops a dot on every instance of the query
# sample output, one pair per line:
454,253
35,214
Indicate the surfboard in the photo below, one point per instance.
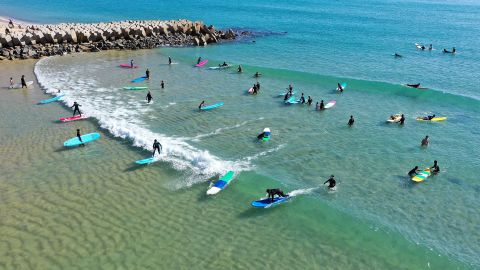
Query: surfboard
435,119
421,176
343,85
330,104
396,119
19,85
220,67
250,91
135,88
139,79
147,161
128,66
85,139
73,118
267,135
201,64
46,101
211,107
221,184
291,100
265,203
282,94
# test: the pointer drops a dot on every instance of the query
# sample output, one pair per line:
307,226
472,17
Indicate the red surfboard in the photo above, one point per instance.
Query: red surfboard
73,118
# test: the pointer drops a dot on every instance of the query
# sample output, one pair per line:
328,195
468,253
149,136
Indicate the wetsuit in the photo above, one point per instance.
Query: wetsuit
149,97
201,105
435,168
147,74
322,106
162,84
309,101
273,192
331,182
351,121
79,136
131,63
302,99
199,60
402,120
340,88
414,85
413,172
261,135
76,109
156,147
258,86
169,60
24,84
239,70
287,95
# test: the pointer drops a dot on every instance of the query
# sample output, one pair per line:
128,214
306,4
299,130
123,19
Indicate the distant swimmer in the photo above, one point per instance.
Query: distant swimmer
76,108
413,172
331,182
425,141
452,51
149,97
430,47
275,191
302,99
257,74
169,60
201,105
429,117
79,136
162,84
351,121
417,85
131,63
156,147
11,82
435,169
239,69
255,90
287,95
199,60
309,100
147,74
290,88
339,88
22,80
224,64
402,120
397,55
322,106
317,106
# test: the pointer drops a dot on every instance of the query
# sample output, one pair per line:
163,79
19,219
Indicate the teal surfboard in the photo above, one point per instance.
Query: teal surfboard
211,107
46,101
135,88
221,184
139,79
85,139
146,161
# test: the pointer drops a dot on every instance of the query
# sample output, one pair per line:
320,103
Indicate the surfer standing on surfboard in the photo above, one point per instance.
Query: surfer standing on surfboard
76,109
131,63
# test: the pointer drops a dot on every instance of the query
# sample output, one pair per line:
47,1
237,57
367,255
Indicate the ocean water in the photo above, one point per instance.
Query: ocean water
376,219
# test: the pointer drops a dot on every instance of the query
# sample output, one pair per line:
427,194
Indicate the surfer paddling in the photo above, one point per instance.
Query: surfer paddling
416,85
452,51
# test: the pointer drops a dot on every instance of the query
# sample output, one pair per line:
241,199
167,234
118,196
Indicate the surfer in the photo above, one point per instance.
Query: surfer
263,134
430,47
429,117
239,69
169,60
162,84
402,119
290,88
275,191
255,90
317,107
339,88
149,97
131,63
258,86
199,60
79,136
147,74
331,182
224,64
76,108
11,82
257,74
24,84
302,99
351,121
425,141
417,85
156,147
397,55
309,100
201,105
413,171
447,51
435,169
322,106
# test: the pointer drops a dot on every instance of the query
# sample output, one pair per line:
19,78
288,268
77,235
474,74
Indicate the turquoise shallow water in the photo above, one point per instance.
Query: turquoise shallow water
375,209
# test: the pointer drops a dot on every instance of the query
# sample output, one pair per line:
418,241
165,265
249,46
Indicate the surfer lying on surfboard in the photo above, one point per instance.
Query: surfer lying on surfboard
452,51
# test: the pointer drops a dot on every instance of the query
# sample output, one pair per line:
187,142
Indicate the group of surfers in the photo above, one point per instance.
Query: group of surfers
433,169
22,82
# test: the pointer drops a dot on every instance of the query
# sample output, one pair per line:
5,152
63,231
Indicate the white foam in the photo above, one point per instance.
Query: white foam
124,122
302,191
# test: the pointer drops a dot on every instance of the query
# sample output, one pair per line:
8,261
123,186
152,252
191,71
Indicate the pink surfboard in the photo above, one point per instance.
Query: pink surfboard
250,91
73,118
330,104
128,66
201,64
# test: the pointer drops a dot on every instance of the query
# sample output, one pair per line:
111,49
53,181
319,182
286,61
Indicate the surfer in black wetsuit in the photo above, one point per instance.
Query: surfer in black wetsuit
275,191
287,95
79,136
257,74
156,147
453,50
131,63
201,105
414,85
331,182
435,169
169,60
302,99
24,84
239,69
162,84
147,74
255,89
290,88
351,121
413,172
76,109
149,97
309,101
397,55
199,60
402,120
322,106
429,118
339,88
430,47
224,64
258,86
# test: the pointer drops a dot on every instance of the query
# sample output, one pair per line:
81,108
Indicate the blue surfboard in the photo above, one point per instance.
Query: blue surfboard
146,161
344,85
265,203
51,99
139,79
211,107
85,139
291,100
